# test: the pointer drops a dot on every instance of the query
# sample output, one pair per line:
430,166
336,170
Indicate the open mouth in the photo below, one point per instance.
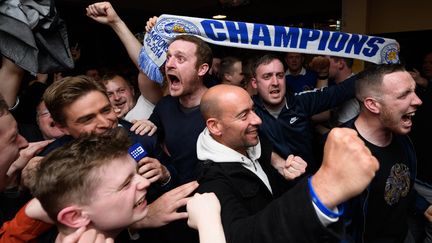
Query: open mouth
120,104
173,78
407,117
274,91
140,202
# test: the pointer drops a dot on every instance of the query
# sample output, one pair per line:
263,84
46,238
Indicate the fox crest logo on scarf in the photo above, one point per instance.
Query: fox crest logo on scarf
389,53
170,27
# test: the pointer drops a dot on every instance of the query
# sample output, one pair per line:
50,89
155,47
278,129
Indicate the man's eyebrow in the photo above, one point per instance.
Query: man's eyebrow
242,112
126,181
84,118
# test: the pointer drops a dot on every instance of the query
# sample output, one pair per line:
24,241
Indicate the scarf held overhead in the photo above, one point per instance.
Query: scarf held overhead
261,37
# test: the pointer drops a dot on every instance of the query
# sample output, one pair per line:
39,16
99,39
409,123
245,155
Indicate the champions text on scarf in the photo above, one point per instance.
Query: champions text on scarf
263,37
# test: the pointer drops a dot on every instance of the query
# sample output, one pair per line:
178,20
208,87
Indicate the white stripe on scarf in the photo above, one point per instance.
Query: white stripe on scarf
261,37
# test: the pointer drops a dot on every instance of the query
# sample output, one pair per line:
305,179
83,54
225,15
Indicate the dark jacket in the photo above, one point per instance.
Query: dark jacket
292,131
250,213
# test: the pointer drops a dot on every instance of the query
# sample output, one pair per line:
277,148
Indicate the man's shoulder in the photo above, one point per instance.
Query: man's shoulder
227,176
167,100
59,142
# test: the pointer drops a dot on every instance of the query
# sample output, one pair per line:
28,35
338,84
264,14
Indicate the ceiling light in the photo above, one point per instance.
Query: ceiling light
219,16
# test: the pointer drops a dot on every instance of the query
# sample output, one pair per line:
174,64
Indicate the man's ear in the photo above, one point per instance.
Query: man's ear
73,217
62,128
254,83
213,126
202,70
372,105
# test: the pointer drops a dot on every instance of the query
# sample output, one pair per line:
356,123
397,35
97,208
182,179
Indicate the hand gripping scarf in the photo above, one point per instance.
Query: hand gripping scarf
261,37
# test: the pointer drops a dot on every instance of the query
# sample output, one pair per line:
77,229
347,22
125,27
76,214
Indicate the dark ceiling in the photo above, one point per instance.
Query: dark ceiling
101,47
262,11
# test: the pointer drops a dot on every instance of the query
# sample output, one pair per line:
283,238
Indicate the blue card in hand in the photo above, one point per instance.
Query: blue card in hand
137,152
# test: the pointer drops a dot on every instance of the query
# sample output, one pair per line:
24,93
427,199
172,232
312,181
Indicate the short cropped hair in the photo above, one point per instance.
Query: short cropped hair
348,61
203,53
67,175
369,81
226,66
66,91
263,59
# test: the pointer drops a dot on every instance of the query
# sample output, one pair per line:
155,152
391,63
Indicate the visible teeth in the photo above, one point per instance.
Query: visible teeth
139,202
411,114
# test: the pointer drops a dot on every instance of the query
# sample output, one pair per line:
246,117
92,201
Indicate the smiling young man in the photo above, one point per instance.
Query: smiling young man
93,183
79,106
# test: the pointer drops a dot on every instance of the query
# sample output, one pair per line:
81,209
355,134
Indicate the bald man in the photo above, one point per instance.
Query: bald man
256,204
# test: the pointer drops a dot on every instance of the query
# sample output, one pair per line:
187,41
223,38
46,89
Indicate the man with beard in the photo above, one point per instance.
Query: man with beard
256,205
387,104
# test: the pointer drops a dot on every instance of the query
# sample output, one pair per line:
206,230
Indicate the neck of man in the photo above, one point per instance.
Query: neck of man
193,99
275,110
295,72
372,130
63,232
343,75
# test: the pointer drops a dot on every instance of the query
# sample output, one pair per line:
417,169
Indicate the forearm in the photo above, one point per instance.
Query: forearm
211,231
22,228
131,43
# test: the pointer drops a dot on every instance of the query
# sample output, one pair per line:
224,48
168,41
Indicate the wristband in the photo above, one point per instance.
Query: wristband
321,206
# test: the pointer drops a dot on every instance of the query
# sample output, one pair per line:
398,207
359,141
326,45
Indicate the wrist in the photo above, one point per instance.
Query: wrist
167,177
330,212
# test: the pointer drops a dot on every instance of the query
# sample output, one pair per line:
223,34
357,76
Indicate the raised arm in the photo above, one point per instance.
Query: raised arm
104,13
204,216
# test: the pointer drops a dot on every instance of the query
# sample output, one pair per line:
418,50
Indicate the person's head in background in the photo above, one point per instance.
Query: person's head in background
11,142
269,80
45,122
427,66
80,105
340,68
188,60
93,72
120,93
248,75
231,71
294,62
92,182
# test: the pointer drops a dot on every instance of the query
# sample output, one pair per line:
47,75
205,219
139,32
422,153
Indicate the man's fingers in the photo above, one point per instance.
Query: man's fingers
153,130
144,129
179,215
185,189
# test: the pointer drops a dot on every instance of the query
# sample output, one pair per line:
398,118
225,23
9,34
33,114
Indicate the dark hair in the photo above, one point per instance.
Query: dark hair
349,61
370,79
226,66
263,59
203,53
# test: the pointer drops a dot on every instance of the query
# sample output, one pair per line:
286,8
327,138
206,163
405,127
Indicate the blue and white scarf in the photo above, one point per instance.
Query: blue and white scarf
261,37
